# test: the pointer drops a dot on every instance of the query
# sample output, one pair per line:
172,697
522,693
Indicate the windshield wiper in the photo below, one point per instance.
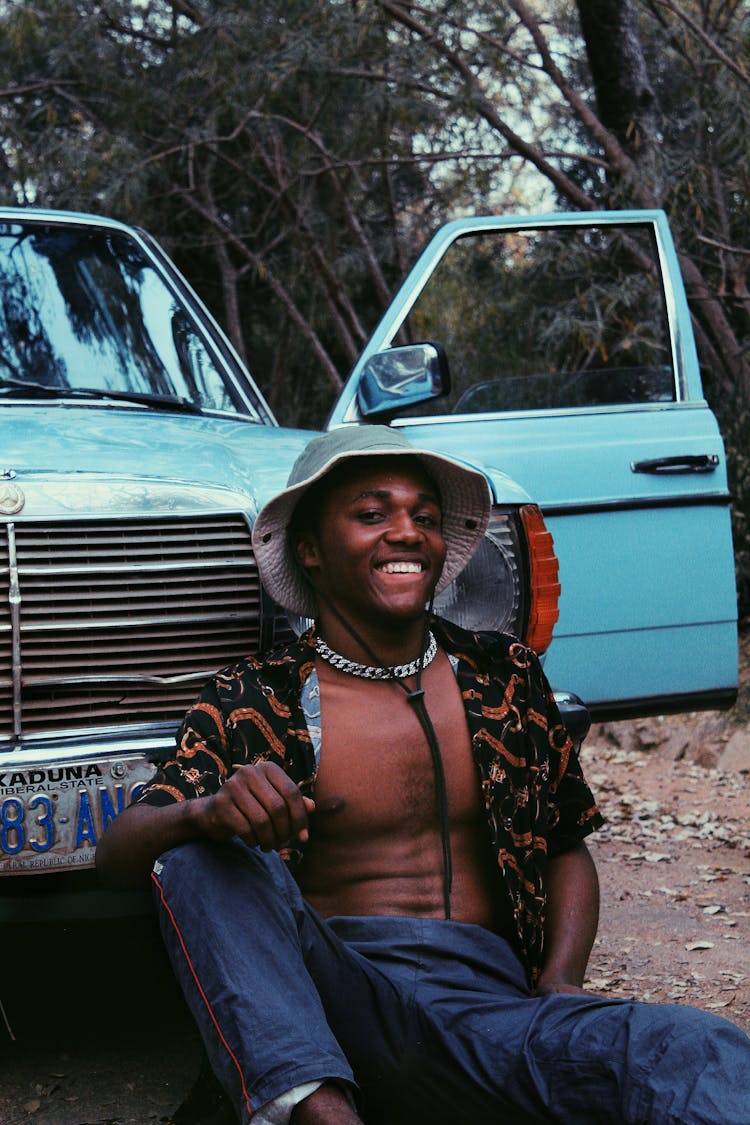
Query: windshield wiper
159,402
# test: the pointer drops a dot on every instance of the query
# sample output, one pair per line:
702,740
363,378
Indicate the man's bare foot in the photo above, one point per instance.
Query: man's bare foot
329,1105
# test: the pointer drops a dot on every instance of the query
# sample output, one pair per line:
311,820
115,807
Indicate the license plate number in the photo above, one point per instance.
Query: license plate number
51,817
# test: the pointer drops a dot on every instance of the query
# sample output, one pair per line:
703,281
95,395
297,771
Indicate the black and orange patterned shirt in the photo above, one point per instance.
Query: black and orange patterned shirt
536,799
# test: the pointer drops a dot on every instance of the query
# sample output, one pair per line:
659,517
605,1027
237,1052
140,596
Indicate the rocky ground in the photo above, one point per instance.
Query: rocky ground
674,856
102,1039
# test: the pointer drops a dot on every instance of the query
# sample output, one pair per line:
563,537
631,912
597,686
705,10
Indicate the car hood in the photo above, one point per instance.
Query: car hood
73,444
74,449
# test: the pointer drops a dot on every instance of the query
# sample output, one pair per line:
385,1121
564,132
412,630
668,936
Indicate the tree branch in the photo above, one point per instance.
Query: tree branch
685,17
273,281
486,109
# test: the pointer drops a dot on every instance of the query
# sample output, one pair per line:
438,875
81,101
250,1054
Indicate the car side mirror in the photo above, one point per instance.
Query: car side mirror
400,377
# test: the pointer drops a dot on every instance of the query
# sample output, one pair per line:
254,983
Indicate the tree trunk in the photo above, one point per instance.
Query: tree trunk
233,319
627,106
624,94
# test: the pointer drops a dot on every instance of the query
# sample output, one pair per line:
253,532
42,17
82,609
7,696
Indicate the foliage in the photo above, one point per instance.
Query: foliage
227,130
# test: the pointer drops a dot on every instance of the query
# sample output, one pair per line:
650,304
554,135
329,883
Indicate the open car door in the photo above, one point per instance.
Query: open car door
574,371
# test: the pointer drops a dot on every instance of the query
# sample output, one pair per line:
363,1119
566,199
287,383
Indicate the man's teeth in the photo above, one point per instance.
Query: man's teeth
402,568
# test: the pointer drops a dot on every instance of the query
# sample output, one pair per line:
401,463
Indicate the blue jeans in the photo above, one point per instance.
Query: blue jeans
429,1020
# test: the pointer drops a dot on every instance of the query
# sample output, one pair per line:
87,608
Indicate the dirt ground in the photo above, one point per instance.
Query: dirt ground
674,856
101,1038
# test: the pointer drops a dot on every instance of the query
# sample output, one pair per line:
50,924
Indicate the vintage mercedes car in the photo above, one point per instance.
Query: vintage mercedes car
555,352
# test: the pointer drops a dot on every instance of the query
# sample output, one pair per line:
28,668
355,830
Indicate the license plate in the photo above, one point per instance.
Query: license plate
52,816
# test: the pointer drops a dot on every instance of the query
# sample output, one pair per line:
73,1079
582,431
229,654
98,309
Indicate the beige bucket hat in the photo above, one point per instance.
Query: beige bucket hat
464,494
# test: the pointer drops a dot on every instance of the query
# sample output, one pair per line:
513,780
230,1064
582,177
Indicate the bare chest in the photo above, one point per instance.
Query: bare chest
375,771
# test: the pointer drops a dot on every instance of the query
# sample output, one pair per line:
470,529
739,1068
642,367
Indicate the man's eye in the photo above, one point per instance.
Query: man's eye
426,520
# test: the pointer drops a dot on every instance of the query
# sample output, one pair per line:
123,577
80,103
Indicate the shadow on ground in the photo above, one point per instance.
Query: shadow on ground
100,1034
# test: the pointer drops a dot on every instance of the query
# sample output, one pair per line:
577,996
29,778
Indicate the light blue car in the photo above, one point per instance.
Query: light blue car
136,451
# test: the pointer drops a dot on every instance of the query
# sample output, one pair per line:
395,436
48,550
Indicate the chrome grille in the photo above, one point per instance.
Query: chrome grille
120,621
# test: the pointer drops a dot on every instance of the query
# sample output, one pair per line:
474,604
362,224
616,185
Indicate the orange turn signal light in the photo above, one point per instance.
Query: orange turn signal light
544,608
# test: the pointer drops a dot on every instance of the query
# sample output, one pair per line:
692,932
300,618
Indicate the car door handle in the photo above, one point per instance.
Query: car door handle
687,463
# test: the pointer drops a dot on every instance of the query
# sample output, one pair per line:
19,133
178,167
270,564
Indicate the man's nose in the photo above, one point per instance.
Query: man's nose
403,529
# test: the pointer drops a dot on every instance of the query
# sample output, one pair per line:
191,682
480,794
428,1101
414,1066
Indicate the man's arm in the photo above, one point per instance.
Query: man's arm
260,803
572,919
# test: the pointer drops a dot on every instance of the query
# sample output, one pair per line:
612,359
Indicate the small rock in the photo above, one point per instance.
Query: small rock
736,753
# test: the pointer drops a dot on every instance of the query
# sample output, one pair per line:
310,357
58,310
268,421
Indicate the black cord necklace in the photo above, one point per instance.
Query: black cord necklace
415,697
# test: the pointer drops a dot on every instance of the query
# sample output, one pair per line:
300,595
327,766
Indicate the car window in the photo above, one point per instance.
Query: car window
86,308
548,318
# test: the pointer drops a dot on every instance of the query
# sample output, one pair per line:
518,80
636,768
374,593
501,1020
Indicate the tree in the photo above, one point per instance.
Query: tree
232,124
221,127
635,135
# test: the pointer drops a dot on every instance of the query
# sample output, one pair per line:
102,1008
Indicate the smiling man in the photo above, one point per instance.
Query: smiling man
368,851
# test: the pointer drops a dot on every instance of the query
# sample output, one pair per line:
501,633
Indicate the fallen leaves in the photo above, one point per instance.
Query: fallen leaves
673,861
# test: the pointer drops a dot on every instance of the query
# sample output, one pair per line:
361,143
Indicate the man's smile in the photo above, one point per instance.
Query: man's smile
400,567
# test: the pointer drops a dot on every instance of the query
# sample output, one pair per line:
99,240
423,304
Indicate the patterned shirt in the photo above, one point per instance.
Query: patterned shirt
534,794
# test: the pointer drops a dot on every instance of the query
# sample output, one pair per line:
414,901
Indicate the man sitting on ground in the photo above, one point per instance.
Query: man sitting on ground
368,851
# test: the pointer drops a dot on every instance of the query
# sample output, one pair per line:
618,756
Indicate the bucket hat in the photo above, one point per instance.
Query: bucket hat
464,496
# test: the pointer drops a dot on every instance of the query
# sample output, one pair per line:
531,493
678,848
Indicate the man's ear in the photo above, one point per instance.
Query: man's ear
306,550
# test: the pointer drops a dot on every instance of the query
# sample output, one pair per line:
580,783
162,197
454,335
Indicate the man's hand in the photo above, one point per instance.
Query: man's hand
547,986
260,804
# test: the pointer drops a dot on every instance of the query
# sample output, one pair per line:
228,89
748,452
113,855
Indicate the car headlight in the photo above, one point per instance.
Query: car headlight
488,593
511,583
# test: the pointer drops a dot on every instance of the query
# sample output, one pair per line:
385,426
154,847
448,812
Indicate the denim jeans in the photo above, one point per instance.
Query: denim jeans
428,1020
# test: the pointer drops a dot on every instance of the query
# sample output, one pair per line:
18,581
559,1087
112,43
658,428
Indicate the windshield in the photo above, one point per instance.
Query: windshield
86,308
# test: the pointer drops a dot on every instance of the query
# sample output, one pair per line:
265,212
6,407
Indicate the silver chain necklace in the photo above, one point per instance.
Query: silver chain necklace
374,671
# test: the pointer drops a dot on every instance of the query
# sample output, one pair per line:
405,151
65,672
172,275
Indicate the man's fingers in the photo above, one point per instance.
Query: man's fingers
304,833
271,804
